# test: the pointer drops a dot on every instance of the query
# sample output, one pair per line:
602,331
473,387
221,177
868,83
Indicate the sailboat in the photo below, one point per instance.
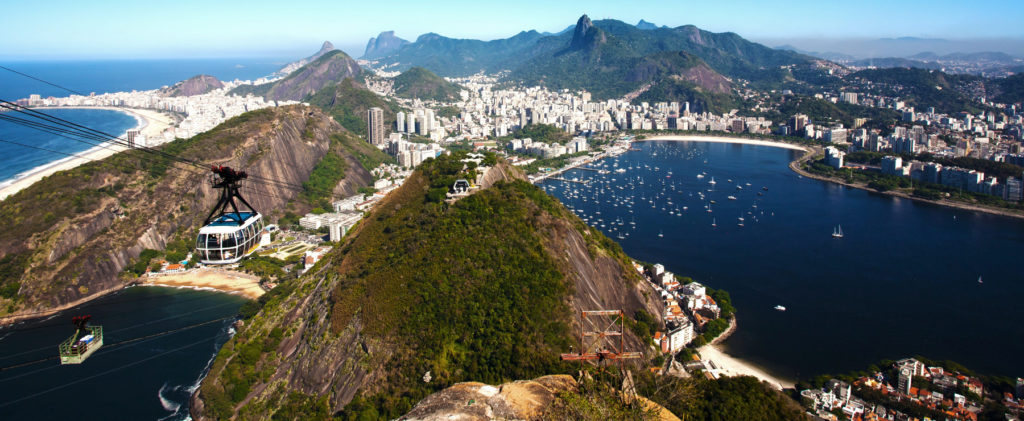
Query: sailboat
660,234
838,232
979,279
713,222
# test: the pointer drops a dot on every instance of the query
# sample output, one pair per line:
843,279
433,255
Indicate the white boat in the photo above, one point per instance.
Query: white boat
731,198
780,308
712,182
979,279
713,222
838,232
660,234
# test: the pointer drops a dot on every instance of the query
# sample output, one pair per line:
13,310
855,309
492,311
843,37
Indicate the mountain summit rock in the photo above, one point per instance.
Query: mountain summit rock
586,35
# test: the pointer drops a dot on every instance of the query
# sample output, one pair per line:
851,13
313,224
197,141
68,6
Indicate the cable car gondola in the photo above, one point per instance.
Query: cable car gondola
231,234
76,349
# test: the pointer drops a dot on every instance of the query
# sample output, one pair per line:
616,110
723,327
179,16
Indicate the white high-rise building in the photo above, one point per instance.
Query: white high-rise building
400,122
410,123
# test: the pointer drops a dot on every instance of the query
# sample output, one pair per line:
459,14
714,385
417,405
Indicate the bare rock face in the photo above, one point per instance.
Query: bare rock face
520,400
196,85
586,35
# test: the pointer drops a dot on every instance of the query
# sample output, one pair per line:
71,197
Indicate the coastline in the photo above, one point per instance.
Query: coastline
795,166
11,319
725,139
219,280
809,152
150,123
206,279
733,366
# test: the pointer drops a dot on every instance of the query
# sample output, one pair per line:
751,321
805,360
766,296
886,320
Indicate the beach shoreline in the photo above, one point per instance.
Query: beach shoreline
725,139
149,122
209,279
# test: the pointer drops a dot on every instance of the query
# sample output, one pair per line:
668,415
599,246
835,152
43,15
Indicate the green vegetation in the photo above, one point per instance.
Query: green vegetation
556,162
930,191
420,83
470,313
822,111
348,101
922,88
542,133
1010,89
448,111
728,398
267,267
326,175
597,399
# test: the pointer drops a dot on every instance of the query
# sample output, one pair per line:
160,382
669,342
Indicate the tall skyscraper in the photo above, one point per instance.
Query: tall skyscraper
375,126
400,122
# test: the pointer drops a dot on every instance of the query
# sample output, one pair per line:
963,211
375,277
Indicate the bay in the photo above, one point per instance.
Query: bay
903,281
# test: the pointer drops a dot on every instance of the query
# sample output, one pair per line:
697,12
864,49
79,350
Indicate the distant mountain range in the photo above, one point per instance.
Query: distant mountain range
610,58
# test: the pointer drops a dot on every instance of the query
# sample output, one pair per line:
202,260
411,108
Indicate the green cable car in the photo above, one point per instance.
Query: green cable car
77,348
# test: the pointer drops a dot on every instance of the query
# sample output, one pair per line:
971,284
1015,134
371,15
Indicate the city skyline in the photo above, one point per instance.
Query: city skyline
264,29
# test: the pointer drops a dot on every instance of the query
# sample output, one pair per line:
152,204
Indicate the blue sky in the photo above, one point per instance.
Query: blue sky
62,29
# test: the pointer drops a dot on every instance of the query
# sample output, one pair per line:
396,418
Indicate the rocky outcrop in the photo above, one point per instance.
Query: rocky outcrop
195,85
518,400
383,45
586,35
125,206
330,68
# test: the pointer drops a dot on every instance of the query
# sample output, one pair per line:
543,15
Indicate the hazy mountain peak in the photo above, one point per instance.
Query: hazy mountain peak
383,44
645,25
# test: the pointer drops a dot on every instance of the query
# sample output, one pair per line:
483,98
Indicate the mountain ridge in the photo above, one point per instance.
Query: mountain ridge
512,266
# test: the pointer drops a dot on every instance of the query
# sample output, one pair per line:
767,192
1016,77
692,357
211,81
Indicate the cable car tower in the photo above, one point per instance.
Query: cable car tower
76,349
600,345
229,235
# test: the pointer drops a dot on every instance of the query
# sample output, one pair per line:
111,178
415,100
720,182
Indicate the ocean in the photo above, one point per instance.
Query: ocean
150,378
124,75
99,77
17,159
903,280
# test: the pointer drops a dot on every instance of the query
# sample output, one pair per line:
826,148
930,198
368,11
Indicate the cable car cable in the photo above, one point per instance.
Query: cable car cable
107,347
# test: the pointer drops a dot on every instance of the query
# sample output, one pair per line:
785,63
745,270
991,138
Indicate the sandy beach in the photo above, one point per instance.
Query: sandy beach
149,122
216,279
732,366
722,139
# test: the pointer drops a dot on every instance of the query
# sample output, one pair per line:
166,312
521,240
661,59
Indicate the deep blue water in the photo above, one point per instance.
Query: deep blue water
144,380
903,281
15,159
123,75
